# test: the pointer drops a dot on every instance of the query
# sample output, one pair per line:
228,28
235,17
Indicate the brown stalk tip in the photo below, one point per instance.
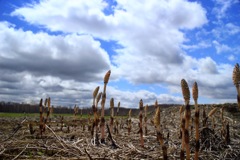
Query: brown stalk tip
49,102
95,92
40,103
156,104
185,91
212,112
195,91
157,117
112,103
146,108
106,77
141,104
99,96
236,75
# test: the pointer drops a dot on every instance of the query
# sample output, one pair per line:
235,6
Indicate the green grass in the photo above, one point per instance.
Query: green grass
3,114
55,115
12,115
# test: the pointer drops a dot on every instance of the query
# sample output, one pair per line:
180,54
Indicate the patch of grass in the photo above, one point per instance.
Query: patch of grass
16,115
55,115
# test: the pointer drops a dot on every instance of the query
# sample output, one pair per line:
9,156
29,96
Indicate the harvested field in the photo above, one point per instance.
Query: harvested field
74,140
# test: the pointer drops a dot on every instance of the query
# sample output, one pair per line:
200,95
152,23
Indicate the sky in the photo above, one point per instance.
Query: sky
62,49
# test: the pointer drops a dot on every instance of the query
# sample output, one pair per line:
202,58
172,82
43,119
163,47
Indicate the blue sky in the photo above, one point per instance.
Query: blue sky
63,49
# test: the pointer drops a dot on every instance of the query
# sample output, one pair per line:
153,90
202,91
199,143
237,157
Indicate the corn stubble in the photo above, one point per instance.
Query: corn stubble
43,121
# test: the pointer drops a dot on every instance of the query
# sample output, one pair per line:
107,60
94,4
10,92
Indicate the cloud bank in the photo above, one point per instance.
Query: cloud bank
70,65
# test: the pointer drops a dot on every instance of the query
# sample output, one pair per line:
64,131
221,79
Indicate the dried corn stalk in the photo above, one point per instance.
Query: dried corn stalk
236,81
145,119
186,96
212,112
112,114
98,98
102,124
159,134
195,97
41,118
183,140
117,120
236,75
129,121
195,94
186,132
48,105
94,110
75,115
140,123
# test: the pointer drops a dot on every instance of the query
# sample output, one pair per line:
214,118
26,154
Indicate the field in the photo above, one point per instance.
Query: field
71,138
205,132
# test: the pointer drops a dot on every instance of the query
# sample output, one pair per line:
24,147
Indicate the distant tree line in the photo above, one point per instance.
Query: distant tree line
12,107
27,108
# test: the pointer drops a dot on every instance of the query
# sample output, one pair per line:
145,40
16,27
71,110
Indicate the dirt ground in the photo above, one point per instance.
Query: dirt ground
75,142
